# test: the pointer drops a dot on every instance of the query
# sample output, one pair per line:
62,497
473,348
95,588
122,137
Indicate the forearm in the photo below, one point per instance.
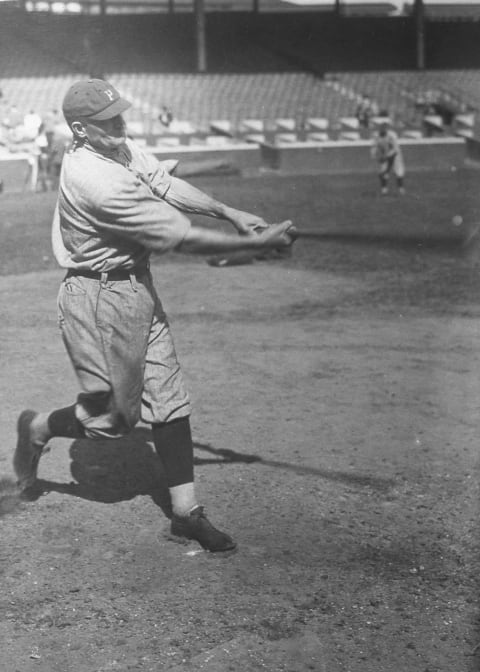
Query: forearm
188,198
206,241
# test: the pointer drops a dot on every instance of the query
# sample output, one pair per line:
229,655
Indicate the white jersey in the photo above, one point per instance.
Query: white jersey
387,151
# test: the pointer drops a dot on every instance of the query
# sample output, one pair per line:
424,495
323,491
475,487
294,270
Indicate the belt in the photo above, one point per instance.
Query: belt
115,274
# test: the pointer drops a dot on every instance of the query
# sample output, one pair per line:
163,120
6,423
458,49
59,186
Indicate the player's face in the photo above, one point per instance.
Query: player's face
106,135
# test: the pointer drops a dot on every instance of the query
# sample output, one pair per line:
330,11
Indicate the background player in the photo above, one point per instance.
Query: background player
116,205
387,152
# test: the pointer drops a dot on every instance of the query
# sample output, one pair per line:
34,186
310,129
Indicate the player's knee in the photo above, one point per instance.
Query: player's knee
102,418
107,428
109,425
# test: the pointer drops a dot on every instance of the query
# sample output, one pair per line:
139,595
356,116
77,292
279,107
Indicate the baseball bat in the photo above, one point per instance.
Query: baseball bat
470,233
243,258
311,233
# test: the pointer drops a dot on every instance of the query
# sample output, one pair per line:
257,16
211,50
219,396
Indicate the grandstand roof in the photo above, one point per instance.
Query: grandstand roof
448,9
461,9
433,8
362,7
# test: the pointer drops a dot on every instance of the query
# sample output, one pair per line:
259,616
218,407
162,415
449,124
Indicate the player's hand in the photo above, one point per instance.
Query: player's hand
246,223
278,235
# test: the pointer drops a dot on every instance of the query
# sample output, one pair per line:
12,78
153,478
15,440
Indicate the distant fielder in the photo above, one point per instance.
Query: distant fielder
387,152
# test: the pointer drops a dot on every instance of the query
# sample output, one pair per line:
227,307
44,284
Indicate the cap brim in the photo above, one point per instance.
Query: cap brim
116,108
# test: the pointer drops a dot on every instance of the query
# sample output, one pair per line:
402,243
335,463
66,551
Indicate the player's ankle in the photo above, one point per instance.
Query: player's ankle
39,429
183,499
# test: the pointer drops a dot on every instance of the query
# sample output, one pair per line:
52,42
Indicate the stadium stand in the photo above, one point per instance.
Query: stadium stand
269,76
272,65
202,99
432,101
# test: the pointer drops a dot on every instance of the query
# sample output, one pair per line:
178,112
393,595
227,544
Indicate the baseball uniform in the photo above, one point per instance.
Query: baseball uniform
109,216
387,152
116,205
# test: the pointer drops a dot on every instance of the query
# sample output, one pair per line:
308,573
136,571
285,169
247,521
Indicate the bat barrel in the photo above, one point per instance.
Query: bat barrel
311,233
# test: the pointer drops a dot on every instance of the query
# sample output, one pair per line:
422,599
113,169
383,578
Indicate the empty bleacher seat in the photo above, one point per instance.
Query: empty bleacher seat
222,127
376,122
218,140
318,137
181,127
349,135
463,125
315,124
317,129
433,124
167,141
286,137
349,124
412,133
288,125
252,125
257,138
349,129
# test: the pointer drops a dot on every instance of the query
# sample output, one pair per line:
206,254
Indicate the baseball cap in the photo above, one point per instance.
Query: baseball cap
93,99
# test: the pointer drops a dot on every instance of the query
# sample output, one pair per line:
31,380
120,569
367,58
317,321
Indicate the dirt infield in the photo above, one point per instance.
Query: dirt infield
336,407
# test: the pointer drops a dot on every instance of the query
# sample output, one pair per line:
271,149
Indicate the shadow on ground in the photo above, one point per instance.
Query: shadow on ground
118,470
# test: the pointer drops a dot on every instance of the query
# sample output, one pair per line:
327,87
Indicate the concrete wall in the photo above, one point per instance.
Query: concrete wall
473,149
242,157
311,157
354,157
17,173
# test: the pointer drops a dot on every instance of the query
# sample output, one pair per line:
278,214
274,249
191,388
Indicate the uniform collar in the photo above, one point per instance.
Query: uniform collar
122,155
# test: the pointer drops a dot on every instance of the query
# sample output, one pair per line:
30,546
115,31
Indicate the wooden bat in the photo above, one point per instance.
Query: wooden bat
312,233
465,236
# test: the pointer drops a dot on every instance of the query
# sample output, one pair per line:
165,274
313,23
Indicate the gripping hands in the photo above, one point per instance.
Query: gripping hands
263,241
277,235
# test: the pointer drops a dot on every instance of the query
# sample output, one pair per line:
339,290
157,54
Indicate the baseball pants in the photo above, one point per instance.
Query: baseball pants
394,164
119,342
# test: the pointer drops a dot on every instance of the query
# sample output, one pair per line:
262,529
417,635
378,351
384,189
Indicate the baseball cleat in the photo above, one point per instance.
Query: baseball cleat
197,526
27,452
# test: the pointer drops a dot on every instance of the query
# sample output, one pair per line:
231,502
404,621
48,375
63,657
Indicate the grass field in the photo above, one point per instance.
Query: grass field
409,241
335,424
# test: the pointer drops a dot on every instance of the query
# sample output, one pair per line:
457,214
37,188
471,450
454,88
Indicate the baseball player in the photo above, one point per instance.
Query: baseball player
116,205
387,152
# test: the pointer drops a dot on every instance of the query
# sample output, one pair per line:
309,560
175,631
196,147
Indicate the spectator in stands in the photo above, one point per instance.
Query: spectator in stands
4,139
14,118
56,150
430,125
3,111
366,109
166,116
49,152
40,152
31,125
388,154
51,120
